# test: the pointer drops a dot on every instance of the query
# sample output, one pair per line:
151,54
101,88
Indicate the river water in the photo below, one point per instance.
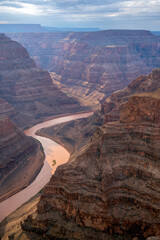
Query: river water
53,151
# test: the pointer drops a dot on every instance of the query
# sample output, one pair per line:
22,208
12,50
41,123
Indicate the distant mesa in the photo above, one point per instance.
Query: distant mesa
156,32
34,28
19,28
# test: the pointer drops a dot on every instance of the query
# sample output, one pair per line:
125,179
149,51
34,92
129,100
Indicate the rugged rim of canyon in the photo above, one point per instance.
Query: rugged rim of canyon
110,187
90,66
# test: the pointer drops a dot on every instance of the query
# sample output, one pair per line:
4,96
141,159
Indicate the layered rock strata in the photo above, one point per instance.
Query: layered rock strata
110,188
76,134
27,96
90,66
27,91
112,106
21,159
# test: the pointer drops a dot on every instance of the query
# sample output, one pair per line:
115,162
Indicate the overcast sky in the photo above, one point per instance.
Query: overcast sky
104,14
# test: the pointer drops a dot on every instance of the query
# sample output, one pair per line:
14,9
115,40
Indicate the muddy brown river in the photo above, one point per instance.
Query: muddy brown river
52,151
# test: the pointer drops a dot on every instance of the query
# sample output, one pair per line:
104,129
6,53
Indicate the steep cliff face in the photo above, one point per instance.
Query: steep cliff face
28,91
110,188
21,158
112,106
90,66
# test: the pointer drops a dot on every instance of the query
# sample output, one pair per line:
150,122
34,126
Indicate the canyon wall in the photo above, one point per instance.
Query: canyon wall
90,66
27,96
109,189
27,91
75,134
112,106
21,159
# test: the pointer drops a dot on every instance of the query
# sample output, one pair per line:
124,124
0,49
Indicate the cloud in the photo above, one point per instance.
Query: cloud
19,8
99,12
3,22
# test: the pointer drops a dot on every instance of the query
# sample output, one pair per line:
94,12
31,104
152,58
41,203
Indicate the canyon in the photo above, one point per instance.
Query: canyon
53,153
90,66
109,189
27,97
76,133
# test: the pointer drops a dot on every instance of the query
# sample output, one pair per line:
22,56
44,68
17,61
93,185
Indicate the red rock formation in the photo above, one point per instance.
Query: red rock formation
111,186
95,64
21,158
28,91
112,106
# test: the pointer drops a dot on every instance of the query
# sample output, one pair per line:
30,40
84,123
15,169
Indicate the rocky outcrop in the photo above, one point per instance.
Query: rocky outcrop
27,90
142,107
112,106
21,159
90,66
110,188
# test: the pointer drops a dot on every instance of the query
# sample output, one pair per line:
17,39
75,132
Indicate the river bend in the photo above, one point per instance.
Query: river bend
52,151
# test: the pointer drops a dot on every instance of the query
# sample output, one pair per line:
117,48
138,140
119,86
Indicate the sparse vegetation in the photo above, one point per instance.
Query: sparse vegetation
53,162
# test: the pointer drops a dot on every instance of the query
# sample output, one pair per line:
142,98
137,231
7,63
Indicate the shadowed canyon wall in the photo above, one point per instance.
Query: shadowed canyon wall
21,159
27,94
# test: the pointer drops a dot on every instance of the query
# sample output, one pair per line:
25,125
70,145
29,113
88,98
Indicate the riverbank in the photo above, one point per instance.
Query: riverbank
53,151
10,227
50,132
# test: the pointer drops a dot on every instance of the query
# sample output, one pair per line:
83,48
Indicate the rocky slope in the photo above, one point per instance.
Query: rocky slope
27,94
110,188
90,66
21,158
112,106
